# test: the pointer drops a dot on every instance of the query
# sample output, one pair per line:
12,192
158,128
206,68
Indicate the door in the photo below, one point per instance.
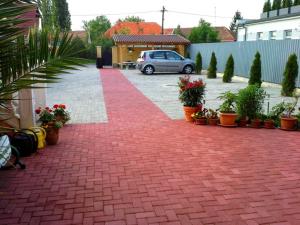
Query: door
159,61
107,57
173,61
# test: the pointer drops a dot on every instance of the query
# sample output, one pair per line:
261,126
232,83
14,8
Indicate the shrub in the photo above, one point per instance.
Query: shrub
250,101
212,69
255,72
198,66
229,70
80,48
290,75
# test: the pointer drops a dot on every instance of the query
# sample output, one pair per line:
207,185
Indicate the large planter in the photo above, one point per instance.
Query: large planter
228,119
52,135
288,123
188,111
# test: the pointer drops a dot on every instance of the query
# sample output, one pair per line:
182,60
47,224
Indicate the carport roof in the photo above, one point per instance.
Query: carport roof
172,39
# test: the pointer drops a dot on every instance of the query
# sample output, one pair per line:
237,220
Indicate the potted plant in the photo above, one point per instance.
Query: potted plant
47,118
191,94
212,116
60,113
287,120
269,121
227,113
200,117
249,104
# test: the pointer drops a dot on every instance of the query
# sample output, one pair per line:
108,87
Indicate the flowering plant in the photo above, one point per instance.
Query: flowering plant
46,115
200,114
61,113
191,93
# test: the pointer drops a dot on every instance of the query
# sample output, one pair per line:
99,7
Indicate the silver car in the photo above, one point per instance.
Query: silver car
164,61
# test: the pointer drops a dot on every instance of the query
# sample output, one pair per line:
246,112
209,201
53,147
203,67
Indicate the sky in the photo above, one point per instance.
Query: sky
185,13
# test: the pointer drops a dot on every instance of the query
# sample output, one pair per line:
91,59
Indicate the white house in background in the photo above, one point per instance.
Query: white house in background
274,25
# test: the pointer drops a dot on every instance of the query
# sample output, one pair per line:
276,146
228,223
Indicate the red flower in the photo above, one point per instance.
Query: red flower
47,108
62,106
38,111
55,106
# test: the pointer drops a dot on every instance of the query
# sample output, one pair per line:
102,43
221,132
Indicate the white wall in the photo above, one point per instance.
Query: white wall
278,25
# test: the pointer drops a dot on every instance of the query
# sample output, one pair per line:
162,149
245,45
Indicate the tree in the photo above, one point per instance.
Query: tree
229,70
287,3
203,33
212,69
46,14
255,72
198,66
297,2
61,15
290,75
267,6
131,19
27,62
96,28
178,31
233,25
276,4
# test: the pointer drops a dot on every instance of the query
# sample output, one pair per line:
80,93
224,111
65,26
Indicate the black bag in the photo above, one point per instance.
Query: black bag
25,141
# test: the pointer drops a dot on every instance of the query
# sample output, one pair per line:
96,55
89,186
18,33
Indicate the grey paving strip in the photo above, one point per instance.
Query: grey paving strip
162,90
81,91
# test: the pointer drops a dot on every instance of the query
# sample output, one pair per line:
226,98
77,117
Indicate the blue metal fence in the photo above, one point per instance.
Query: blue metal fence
274,55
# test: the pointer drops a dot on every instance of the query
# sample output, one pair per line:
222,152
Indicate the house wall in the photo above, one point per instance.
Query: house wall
279,26
274,55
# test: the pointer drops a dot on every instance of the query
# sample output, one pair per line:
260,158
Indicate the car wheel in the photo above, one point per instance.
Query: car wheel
188,69
148,70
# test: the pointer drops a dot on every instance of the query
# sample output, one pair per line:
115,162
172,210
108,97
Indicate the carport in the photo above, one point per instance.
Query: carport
128,47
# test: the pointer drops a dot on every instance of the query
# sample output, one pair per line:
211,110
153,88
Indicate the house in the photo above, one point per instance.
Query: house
224,34
133,28
128,47
31,18
274,25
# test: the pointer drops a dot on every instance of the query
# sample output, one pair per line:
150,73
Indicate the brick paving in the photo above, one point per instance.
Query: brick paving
143,168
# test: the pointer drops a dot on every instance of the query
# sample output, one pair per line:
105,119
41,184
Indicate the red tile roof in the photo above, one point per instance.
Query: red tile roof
150,39
133,28
225,34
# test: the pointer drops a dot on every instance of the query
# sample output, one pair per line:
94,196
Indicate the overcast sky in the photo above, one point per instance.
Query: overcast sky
187,13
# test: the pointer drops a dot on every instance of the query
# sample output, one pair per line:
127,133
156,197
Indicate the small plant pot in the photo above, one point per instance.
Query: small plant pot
213,122
243,123
269,124
228,119
256,123
288,123
201,121
188,111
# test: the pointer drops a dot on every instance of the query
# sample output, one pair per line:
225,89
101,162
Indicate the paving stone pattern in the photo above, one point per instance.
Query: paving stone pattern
144,168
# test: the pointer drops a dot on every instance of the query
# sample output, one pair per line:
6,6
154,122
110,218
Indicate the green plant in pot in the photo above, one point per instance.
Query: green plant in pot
212,117
200,117
227,109
191,94
249,104
287,120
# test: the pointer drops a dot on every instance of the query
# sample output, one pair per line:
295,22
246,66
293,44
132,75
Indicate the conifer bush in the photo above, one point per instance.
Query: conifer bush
198,66
290,75
229,70
255,72
212,69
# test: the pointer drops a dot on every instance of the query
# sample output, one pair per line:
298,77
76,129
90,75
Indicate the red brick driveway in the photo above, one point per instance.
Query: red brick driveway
143,168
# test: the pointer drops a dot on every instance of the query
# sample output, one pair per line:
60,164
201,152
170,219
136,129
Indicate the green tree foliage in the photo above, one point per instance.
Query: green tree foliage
233,25
96,28
178,31
287,3
131,19
290,75
297,2
46,13
203,33
212,69
198,62
61,15
267,6
229,70
255,72
276,4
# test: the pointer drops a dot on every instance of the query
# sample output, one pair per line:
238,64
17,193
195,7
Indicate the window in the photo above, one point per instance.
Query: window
172,56
288,34
272,35
159,55
259,36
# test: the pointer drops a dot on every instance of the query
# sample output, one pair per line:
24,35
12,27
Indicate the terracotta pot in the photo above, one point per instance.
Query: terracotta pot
52,135
243,122
288,123
213,122
228,119
188,111
269,124
256,123
201,121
